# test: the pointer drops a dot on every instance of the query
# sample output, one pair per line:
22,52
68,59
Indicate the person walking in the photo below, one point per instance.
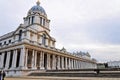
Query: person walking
0,76
3,75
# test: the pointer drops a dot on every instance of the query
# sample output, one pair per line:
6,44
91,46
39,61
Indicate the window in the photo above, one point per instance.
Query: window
44,39
9,41
43,22
20,35
5,43
0,44
29,21
32,19
40,20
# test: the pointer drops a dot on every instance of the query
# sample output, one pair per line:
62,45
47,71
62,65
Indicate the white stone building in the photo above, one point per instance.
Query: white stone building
31,48
114,64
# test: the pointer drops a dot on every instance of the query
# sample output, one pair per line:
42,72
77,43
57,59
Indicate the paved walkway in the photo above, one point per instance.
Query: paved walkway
60,78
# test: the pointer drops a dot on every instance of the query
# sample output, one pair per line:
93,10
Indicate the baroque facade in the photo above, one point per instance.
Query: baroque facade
31,48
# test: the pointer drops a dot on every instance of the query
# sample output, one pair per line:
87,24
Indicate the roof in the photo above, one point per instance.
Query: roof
6,35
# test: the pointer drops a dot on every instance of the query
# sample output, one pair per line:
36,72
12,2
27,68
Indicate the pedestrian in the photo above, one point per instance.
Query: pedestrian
0,76
3,75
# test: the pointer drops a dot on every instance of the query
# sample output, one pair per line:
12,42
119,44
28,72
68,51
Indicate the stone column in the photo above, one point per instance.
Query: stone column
62,60
33,60
2,60
22,58
42,61
82,65
69,64
53,62
58,62
74,64
8,60
79,64
48,61
66,66
26,58
14,59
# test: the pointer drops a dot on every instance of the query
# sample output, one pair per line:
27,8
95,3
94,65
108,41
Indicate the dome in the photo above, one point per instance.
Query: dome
37,8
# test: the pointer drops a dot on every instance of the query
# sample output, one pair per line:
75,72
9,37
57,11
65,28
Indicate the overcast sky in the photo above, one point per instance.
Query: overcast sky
78,25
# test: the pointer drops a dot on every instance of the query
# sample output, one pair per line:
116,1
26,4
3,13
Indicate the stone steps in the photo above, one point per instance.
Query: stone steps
79,73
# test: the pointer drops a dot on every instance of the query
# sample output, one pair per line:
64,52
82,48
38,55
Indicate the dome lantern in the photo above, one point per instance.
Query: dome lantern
37,8
38,2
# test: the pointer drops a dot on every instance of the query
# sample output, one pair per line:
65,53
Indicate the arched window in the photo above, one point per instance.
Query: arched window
20,35
44,39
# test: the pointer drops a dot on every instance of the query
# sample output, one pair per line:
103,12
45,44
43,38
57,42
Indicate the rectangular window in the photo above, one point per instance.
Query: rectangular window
9,41
43,22
40,20
5,43
0,44
32,19
29,21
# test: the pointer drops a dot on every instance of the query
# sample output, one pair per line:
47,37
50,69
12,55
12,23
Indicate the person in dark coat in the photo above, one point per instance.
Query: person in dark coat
3,75
0,76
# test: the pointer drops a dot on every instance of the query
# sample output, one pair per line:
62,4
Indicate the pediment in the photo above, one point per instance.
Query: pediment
47,34
18,29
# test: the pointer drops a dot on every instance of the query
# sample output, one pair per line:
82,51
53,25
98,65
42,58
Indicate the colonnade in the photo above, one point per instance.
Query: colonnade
25,58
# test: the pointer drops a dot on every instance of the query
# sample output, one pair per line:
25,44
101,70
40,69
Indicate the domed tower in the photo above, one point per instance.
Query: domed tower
37,18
